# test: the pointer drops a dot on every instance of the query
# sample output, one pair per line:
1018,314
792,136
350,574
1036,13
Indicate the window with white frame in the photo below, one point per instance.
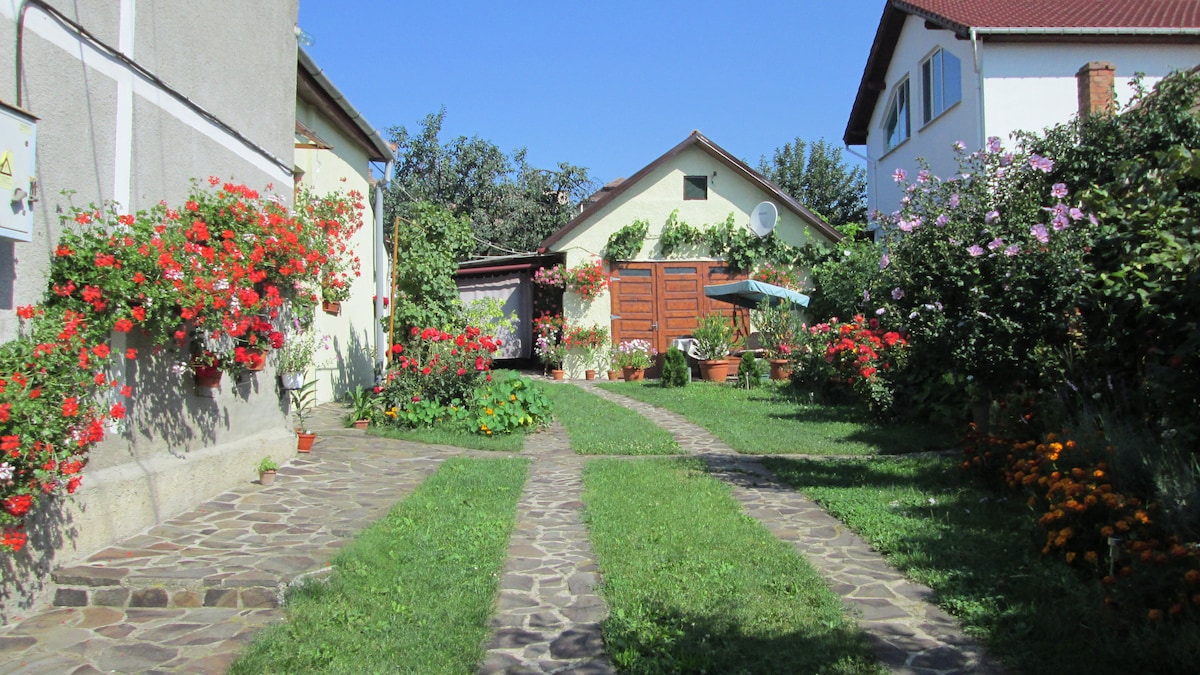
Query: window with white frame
941,84
896,123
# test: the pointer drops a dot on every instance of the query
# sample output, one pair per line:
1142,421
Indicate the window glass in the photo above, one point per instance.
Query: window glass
941,84
695,187
681,270
896,125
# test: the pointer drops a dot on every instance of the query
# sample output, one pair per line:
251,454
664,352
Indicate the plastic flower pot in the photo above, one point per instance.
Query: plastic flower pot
266,477
304,442
292,381
331,307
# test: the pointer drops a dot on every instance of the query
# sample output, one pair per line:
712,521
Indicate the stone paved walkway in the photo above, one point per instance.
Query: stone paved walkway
189,593
548,618
908,632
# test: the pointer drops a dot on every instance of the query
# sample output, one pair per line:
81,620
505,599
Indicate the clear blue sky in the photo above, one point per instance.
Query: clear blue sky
609,86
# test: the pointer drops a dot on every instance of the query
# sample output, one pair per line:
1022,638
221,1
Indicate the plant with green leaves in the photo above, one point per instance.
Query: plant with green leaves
507,404
675,372
713,337
776,326
364,405
677,234
626,243
431,240
303,401
267,464
750,371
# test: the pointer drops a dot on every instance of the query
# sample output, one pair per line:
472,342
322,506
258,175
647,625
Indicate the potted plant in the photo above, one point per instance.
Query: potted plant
592,342
552,353
777,330
712,339
295,358
303,400
266,471
362,407
206,369
634,357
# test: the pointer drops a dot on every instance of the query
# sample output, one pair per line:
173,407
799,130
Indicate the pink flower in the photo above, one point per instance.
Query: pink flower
1039,231
975,250
1058,190
899,175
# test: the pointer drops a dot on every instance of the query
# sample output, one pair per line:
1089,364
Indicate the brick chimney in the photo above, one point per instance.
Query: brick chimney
1096,89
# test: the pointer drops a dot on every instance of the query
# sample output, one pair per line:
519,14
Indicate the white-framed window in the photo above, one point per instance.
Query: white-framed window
896,127
941,84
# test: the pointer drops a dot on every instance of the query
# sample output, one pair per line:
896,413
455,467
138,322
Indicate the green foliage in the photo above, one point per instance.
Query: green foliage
487,314
597,426
431,242
507,404
675,371
817,177
743,250
626,243
776,326
303,400
364,405
267,464
510,204
842,275
413,592
713,336
677,234
750,371
694,586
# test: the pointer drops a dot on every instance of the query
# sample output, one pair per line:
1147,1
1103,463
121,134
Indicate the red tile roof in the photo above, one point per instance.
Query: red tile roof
1059,13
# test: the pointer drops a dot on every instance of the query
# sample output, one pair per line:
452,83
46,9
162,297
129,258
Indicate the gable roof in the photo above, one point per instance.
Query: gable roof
695,139
1019,20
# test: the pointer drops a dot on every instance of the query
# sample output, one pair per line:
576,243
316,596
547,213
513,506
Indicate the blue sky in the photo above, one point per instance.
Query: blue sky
609,86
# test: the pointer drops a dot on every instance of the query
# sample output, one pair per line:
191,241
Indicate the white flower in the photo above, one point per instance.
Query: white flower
6,471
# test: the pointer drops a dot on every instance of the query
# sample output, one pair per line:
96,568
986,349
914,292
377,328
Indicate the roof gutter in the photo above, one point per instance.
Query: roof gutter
467,271
380,145
1070,30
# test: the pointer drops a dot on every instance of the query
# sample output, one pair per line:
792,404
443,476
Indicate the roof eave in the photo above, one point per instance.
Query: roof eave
377,147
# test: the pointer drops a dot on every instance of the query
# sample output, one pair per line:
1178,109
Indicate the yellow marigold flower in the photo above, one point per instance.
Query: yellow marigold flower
1106,531
1090,556
1070,557
512,397
1051,437
1142,517
488,411
1154,614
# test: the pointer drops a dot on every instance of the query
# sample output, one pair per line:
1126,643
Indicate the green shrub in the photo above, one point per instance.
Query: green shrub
750,371
508,403
676,372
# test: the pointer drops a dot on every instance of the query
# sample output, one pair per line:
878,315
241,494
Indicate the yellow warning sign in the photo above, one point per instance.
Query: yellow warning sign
6,171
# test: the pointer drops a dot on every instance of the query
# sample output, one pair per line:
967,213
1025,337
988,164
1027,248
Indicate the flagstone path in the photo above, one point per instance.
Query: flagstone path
188,594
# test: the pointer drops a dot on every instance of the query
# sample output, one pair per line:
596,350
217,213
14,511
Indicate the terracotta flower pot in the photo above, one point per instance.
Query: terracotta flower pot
632,374
361,424
714,371
780,369
256,361
558,374
266,477
612,375
304,442
589,374
208,377
331,307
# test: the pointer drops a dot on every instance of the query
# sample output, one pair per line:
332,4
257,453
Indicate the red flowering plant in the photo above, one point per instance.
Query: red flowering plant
587,279
591,342
55,399
779,276
432,371
339,216
847,360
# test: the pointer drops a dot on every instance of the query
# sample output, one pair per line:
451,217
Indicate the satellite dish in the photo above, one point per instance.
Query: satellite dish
762,219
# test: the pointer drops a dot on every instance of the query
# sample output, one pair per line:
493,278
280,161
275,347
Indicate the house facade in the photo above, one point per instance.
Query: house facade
947,71
658,297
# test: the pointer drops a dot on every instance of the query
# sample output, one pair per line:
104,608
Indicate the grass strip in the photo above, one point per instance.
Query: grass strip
693,585
413,592
768,420
600,427
455,438
982,555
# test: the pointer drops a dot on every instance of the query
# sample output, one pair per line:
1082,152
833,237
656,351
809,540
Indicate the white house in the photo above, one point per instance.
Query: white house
942,71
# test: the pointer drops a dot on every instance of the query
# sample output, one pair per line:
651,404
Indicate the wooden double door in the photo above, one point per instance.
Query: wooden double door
661,301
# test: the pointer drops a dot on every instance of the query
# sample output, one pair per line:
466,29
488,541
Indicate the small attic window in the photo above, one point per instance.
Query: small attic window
695,187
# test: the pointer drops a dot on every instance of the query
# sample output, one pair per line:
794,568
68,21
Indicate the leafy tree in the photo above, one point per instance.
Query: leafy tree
431,241
815,175
511,205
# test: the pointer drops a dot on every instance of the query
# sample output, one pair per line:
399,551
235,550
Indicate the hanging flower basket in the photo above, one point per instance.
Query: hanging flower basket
207,377
291,381
331,307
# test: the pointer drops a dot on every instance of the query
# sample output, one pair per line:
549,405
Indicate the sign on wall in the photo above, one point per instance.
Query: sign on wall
18,181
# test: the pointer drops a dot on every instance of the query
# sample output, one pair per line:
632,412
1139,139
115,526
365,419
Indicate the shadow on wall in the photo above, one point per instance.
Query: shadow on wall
25,574
355,363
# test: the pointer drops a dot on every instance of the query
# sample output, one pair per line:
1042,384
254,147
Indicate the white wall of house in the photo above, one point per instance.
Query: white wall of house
350,335
1022,86
653,199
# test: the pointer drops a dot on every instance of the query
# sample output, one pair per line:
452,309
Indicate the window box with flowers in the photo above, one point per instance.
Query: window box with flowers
779,276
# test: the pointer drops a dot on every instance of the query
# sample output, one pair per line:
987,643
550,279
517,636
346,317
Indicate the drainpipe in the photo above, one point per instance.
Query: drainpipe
978,59
382,274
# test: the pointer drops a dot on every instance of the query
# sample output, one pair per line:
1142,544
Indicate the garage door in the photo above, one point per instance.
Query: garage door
661,301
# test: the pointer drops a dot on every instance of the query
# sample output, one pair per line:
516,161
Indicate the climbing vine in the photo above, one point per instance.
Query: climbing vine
676,233
626,243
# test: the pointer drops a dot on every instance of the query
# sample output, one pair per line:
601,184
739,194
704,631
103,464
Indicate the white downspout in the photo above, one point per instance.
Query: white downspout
382,273
978,59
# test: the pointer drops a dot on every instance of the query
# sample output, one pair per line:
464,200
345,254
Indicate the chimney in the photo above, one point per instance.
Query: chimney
1096,89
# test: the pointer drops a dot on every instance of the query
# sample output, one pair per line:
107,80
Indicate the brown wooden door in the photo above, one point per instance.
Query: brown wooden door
662,301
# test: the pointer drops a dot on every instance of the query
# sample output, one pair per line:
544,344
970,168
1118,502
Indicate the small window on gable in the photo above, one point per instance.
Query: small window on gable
895,123
941,84
695,187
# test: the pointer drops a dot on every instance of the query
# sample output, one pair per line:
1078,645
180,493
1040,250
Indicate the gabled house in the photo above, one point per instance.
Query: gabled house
658,297
944,71
335,146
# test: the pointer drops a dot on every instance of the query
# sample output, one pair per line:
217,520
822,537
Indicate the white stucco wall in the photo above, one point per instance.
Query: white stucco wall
1024,87
653,199
351,334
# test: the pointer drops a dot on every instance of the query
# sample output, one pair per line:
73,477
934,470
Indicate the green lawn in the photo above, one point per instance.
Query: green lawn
695,586
413,593
456,438
600,427
769,421
982,555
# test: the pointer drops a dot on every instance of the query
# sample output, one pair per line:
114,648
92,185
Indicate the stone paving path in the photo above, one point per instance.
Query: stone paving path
548,618
908,632
189,593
